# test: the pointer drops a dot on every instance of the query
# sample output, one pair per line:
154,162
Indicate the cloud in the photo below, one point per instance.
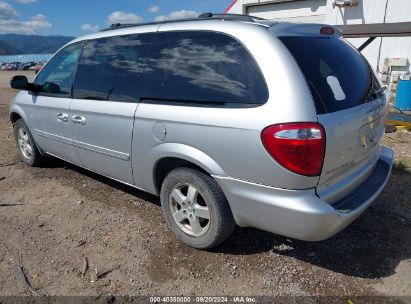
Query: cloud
28,27
124,18
9,22
182,14
90,28
153,9
26,1
7,11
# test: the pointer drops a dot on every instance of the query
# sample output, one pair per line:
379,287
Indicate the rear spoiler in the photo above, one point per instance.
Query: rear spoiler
304,29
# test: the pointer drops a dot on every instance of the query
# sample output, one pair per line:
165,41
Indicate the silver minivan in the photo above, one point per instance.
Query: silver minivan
231,120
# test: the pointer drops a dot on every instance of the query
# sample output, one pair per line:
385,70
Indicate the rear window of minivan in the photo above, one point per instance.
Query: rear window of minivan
339,77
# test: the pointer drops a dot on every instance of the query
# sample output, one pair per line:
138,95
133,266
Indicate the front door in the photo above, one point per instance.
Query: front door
105,99
50,108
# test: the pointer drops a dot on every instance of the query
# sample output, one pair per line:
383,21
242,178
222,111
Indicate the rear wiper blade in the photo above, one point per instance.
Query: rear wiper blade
380,90
374,94
370,89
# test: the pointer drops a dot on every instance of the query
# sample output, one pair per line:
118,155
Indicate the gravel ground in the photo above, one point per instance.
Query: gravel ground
58,215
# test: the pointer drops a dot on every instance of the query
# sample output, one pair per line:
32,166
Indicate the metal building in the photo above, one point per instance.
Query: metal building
389,56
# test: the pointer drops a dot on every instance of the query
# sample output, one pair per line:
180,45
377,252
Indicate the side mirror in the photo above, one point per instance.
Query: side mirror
19,82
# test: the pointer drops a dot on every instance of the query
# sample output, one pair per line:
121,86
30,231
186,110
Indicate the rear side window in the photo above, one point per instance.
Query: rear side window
203,69
338,75
111,68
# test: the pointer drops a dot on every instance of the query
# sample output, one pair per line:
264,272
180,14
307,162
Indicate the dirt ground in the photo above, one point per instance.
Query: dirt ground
58,215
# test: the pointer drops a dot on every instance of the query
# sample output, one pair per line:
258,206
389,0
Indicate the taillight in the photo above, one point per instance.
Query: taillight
299,147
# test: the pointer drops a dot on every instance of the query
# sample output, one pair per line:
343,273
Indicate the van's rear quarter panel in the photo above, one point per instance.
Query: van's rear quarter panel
230,137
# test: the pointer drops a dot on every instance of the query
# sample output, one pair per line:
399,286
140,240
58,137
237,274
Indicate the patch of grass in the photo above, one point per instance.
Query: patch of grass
400,166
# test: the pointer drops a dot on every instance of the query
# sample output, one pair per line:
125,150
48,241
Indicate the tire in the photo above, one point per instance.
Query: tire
23,138
201,197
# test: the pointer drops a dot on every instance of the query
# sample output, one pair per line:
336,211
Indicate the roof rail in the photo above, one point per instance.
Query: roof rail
237,17
231,17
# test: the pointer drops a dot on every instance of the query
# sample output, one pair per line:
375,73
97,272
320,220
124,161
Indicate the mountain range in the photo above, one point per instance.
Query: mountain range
13,44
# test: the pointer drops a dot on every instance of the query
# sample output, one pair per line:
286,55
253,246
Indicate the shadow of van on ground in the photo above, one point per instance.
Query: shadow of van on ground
371,247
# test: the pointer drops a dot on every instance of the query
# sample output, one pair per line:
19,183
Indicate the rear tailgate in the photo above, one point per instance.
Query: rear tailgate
352,148
350,105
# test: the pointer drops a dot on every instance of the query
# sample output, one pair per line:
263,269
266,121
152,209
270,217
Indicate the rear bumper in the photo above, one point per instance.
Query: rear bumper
301,214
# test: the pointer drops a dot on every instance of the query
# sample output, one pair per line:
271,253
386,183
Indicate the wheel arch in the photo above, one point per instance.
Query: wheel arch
15,113
170,156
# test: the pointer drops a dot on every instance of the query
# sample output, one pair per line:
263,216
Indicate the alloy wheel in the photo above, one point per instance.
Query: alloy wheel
24,143
189,210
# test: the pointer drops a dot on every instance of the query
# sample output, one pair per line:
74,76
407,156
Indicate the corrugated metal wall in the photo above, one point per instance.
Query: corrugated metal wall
373,11
308,11
367,11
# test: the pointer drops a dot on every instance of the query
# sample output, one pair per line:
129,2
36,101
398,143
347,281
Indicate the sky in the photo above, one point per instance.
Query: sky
79,17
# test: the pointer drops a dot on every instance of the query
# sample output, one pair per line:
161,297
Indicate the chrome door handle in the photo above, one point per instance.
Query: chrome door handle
62,117
77,119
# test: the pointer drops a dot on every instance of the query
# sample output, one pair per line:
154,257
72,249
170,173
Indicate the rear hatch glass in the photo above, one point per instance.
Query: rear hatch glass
338,75
350,106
